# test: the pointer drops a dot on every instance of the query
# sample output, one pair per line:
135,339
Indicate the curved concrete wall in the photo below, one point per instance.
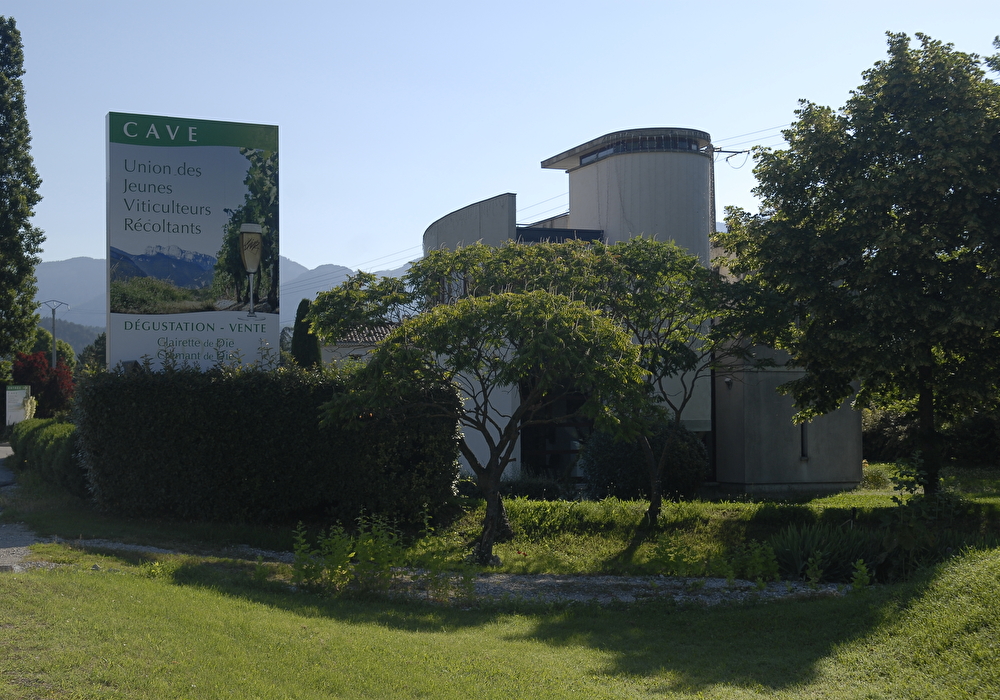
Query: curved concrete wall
491,221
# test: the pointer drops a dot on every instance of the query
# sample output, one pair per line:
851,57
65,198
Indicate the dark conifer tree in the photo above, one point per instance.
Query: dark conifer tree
20,242
305,345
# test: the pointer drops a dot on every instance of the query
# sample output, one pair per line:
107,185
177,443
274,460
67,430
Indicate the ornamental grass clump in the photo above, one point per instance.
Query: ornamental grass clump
821,552
370,561
362,562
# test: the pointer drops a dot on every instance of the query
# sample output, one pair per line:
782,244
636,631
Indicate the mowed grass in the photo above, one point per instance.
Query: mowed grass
49,512
117,625
139,630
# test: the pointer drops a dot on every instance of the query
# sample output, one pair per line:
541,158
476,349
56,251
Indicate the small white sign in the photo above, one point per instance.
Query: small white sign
17,397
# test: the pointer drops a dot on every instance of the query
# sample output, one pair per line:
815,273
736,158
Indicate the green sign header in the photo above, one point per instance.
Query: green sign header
149,130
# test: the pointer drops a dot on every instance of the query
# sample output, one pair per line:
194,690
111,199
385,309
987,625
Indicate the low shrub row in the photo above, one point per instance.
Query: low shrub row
974,440
48,447
533,519
238,445
615,468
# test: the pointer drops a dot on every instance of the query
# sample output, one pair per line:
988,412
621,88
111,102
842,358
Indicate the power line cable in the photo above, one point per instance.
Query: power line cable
543,201
749,133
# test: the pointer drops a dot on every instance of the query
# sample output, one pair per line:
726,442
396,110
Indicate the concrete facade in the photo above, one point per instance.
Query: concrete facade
759,450
491,221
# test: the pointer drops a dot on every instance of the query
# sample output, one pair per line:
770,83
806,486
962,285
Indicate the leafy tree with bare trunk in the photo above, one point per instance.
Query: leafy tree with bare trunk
685,319
538,345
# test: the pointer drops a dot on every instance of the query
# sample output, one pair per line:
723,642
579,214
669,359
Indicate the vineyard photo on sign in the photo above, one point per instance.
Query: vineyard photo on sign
192,227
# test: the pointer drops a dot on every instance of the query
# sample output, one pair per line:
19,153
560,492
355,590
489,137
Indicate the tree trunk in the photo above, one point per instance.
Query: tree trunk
655,482
926,433
496,524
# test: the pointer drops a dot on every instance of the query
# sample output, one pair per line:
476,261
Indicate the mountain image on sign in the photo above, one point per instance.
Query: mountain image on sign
162,280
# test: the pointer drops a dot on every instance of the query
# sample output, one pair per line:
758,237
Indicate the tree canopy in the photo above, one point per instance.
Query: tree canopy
683,316
93,358
878,234
64,351
675,312
20,242
538,344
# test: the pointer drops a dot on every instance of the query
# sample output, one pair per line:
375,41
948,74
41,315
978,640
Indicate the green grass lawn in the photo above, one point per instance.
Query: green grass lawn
198,625
131,629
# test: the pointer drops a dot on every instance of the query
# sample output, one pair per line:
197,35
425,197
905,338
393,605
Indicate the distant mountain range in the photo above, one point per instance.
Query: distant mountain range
82,282
183,268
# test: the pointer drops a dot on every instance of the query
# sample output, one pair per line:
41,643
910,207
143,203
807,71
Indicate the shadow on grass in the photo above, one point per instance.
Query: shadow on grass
49,511
625,560
775,646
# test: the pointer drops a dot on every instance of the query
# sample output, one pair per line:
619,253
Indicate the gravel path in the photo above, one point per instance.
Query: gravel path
539,588
14,537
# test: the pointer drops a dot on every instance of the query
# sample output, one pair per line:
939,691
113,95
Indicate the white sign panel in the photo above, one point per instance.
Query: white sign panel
179,192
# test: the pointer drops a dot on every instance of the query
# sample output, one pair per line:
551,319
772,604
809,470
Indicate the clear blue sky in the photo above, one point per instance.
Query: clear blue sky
394,114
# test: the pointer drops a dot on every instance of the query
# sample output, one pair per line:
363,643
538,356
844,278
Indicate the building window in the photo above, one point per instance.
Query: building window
804,442
642,144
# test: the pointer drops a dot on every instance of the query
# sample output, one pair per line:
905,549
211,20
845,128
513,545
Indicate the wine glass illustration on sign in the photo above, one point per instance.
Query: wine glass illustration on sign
251,240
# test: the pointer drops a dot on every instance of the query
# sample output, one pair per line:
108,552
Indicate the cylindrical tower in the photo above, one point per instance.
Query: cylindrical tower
651,182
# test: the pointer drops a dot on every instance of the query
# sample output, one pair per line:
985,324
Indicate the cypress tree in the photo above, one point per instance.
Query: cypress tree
305,345
20,242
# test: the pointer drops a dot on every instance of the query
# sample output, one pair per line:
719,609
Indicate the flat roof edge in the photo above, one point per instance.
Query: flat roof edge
571,158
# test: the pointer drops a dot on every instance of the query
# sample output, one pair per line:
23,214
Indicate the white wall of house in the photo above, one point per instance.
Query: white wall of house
760,450
504,403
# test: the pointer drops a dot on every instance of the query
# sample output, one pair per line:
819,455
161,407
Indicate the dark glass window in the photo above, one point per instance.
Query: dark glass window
639,144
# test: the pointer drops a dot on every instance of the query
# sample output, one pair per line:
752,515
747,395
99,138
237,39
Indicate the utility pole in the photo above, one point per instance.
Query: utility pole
54,304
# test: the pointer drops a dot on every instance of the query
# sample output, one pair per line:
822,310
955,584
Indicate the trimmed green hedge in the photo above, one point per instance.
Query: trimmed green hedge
233,445
48,447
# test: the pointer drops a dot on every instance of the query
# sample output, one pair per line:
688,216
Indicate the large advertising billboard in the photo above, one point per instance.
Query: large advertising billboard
192,209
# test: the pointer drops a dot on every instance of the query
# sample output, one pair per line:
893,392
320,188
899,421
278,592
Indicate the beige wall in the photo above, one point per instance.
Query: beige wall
661,195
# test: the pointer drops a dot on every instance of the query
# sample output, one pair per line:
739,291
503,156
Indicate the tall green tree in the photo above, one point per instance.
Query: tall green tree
879,231
20,242
687,321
